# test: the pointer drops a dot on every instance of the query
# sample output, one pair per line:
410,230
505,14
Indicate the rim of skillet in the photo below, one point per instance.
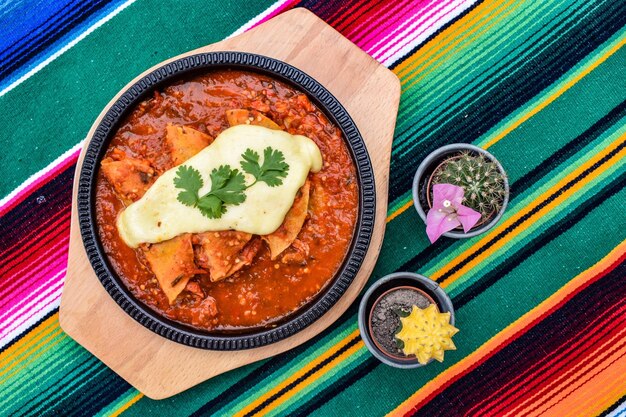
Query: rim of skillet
183,68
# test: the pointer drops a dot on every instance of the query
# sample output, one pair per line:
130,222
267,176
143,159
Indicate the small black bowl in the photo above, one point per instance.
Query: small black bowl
180,69
383,285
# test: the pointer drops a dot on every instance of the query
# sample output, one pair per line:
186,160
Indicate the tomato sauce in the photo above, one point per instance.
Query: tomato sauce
267,291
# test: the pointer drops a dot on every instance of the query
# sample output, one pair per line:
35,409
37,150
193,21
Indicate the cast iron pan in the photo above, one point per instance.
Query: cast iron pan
181,69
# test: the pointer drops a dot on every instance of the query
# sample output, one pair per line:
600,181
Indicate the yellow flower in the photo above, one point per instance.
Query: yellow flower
426,333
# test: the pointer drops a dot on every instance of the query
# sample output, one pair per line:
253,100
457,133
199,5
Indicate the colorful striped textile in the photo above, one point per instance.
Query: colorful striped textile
540,299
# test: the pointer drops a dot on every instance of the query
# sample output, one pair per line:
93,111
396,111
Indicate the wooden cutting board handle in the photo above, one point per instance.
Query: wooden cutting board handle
160,368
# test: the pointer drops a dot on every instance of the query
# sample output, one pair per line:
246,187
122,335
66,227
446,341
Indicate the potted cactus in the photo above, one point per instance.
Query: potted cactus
460,191
406,320
425,333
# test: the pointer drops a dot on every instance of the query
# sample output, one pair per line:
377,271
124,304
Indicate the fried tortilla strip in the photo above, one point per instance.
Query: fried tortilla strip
284,236
224,253
129,177
246,256
185,142
251,117
172,263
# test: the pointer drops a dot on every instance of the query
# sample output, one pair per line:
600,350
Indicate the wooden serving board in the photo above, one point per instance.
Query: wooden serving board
160,368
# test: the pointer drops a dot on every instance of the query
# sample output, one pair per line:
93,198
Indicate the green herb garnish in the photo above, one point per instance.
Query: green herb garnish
227,184
272,171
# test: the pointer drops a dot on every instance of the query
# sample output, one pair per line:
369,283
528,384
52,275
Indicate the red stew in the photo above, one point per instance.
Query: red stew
266,290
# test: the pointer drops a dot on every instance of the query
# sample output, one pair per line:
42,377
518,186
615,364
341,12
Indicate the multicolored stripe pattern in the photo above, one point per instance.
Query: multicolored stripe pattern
540,299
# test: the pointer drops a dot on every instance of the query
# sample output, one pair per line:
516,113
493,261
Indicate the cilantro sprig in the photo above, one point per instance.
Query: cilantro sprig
271,172
228,185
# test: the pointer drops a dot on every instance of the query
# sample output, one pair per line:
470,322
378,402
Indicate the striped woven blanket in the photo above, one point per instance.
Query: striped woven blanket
540,299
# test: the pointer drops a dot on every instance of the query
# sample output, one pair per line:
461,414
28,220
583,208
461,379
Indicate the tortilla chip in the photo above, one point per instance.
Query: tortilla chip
172,263
247,255
185,142
250,117
224,253
129,177
284,236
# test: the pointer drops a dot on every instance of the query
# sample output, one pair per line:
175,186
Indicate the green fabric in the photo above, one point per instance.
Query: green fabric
53,110
559,67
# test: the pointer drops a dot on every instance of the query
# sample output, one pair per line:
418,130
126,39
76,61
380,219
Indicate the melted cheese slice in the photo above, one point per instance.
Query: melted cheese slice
158,216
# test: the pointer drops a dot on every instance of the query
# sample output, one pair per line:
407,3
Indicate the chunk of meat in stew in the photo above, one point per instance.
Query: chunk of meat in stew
194,288
247,254
296,254
129,177
204,311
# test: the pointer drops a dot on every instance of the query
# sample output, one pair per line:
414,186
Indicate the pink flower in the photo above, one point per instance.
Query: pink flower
447,212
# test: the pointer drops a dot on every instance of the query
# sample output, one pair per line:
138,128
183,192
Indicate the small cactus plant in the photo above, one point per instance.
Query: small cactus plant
481,179
425,333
